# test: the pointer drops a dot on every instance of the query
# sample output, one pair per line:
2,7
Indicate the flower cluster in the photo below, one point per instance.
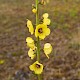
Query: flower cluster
40,31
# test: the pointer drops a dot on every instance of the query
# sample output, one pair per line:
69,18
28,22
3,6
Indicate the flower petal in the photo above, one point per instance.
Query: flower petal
42,36
47,31
46,21
30,26
40,70
47,49
30,42
32,67
31,53
45,15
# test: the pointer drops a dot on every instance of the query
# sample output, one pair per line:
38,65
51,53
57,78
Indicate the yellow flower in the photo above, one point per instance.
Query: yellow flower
30,42
31,53
47,49
46,21
34,10
30,26
45,15
36,67
42,31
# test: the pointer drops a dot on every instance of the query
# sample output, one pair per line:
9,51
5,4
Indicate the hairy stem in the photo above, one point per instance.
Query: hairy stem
38,41
37,22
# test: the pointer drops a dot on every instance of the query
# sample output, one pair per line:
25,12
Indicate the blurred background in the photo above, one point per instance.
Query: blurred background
64,62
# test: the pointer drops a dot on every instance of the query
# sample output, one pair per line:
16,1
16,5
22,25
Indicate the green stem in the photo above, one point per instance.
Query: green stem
37,17
38,41
38,49
39,77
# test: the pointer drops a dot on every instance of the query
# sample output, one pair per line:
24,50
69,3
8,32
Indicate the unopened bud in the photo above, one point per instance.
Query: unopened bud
34,10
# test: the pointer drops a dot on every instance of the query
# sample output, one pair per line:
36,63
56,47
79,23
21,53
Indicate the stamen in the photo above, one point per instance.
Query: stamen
40,30
37,65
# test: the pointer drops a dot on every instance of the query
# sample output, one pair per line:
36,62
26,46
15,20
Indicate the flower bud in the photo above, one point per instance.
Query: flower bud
34,10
